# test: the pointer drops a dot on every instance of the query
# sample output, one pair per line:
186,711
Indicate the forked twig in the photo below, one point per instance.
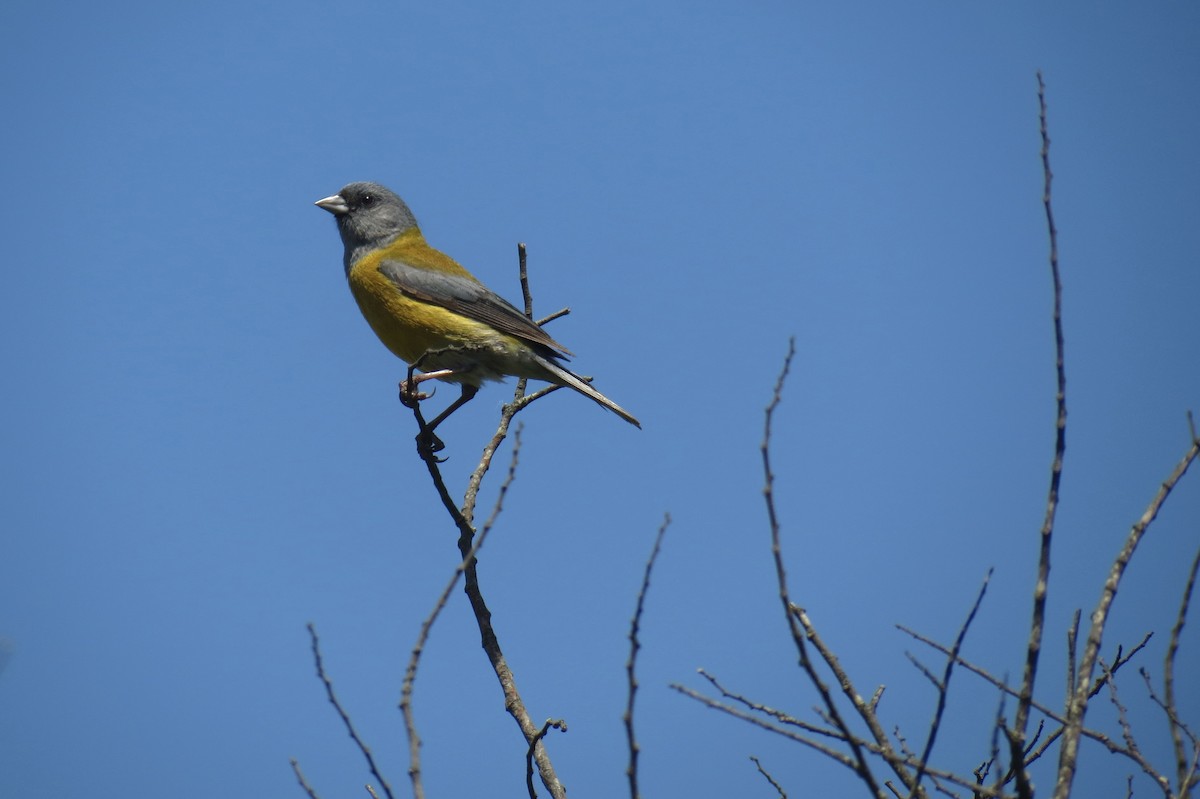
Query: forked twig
1078,702
410,673
889,755
463,519
861,766
327,681
767,710
943,685
558,724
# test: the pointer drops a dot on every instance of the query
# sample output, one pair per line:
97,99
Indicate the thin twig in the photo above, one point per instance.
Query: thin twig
1171,713
558,724
333,700
475,481
925,671
1122,712
634,646
1038,622
767,710
308,789
1016,755
862,767
943,686
1168,704
545,320
1131,749
1033,751
523,275
993,760
873,705
778,788
865,711
887,754
1077,704
1119,661
823,748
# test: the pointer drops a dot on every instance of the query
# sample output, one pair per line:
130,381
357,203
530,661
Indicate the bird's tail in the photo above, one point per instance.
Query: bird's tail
568,378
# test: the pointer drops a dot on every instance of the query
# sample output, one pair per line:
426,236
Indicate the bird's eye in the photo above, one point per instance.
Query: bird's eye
368,199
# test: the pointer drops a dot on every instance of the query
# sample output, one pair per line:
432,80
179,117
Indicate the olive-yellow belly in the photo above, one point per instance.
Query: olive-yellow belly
439,338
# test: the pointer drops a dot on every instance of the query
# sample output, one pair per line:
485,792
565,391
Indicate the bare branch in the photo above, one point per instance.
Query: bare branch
634,646
558,724
767,710
1118,661
873,705
1077,704
1122,713
545,320
1016,754
796,619
308,789
824,749
925,671
1131,749
1072,642
778,788
888,755
523,276
463,519
1168,704
1037,624
1032,750
993,760
1172,715
866,712
943,685
410,673
861,767
333,700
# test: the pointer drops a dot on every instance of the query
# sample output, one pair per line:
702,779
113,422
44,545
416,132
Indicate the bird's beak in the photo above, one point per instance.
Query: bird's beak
335,205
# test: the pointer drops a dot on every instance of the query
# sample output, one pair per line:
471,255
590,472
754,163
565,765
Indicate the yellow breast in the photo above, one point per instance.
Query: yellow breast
407,326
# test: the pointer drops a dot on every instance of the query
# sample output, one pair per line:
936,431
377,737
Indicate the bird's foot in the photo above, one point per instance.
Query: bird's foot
410,395
428,444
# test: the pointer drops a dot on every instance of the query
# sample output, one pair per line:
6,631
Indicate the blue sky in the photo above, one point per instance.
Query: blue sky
203,448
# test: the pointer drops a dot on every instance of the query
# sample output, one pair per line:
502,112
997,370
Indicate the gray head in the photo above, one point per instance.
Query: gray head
368,216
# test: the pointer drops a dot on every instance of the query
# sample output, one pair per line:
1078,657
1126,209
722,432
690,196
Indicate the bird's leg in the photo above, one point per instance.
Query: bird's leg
411,396
427,441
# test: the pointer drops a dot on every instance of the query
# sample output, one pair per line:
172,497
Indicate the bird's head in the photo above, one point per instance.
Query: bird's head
368,215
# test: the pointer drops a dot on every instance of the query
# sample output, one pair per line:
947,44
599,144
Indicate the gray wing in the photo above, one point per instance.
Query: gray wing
471,299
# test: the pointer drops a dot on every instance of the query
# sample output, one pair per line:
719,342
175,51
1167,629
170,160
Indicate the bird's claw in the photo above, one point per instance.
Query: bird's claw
428,443
410,395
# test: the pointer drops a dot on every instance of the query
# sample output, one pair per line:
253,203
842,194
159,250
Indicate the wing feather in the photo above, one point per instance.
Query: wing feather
470,298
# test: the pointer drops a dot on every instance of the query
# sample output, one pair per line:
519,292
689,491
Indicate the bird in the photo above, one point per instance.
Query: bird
435,315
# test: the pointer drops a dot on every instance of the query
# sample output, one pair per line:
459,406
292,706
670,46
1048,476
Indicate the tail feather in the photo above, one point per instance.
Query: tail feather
566,377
